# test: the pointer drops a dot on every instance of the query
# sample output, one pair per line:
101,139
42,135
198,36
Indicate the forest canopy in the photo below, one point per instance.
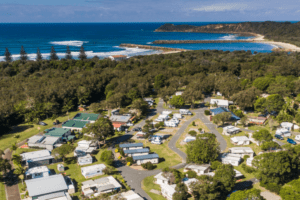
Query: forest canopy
34,90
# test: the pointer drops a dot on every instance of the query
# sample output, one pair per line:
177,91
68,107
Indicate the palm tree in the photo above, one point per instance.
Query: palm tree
17,159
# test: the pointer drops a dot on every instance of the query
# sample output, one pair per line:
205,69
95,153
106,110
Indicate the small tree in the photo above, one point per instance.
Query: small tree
38,55
23,54
270,145
222,118
7,55
107,157
68,54
193,133
108,170
148,166
244,120
13,147
181,192
177,101
82,54
62,151
207,112
215,165
17,159
53,55
262,136
4,165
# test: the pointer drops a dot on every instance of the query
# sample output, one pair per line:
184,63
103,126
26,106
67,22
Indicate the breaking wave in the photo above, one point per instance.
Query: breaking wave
75,43
229,37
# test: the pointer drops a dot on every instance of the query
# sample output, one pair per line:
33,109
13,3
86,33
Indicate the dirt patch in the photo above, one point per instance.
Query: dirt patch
137,167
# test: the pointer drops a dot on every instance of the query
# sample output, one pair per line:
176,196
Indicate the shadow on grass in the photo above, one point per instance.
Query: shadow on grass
16,129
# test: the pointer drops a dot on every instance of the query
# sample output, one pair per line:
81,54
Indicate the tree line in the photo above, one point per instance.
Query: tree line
34,90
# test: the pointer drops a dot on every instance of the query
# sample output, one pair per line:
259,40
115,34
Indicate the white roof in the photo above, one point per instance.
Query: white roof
189,138
39,169
169,188
237,173
46,185
188,181
88,156
282,131
219,102
287,124
131,195
35,154
239,138
231,128
104,182
179,93
84,143
198,167
161,177
165,112
49,140
93,168
35,138
240,150
230,156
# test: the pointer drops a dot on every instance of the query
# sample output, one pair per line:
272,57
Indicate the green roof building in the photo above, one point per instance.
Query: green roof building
58,132
89,117
74,125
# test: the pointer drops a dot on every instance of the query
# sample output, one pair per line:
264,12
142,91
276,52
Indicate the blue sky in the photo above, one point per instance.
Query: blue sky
148,10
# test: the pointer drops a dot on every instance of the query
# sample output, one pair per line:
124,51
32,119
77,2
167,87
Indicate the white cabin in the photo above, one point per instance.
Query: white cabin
233,159
92,171
240,140
37,172
85,160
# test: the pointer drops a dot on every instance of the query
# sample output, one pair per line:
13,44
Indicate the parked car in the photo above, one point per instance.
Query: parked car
42,123
264,114
279,137
297,137
289,140
137,129
274,113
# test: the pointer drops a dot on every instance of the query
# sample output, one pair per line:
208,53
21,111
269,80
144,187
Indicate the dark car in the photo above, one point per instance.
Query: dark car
279,137
42,123
54,123
137,129
289,140
264,114
274,113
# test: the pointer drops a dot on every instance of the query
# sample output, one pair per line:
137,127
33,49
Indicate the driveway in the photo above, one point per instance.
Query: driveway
134,177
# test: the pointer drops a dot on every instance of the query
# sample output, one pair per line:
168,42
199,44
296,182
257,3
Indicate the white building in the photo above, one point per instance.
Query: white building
136,152
150,101
177,115
44,142
165,112
219,94
240,140
161,179
242,151
37,158
167,191
219,103
156,140
287,125
130,146
85,160
189,139
92,171
162,117
203,169
238,174
178,93
283,132
170,123
129,195
233,159
99,186
297,137
153,158
185,112
230,130
85,147
249,161
37,172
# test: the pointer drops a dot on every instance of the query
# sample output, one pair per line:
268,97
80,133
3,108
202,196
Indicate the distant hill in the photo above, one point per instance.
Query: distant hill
277,31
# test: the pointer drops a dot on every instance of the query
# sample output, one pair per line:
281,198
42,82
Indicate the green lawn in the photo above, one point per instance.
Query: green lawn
171,158
27,130
199,124
148,184
2,191
74,172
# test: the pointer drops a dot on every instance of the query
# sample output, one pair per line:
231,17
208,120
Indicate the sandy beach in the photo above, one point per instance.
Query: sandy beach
279,45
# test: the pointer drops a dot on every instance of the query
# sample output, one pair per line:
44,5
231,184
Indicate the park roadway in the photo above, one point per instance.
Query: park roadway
134,177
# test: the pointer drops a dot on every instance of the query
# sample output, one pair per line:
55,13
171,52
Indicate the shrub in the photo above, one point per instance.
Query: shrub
193,133
116,150
122,152
273,187
129,159
171,115
193,123
26,193
129,163
107,157
148,166
200,129
166,169
120,157
238,113
22,196
191,174
215,165
16,136
246,157
247,168
207,112
207,104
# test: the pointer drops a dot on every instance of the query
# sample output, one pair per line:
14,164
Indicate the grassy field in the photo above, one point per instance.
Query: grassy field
2,191
27,130
199,124
169,156
148,184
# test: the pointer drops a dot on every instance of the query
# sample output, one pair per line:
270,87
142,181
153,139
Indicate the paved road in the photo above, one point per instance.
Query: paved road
134,178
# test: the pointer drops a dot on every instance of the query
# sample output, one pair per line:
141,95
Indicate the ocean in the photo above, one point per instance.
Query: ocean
103,39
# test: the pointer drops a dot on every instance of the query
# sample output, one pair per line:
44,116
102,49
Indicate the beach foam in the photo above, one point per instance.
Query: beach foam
90,54
75,43
228,37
